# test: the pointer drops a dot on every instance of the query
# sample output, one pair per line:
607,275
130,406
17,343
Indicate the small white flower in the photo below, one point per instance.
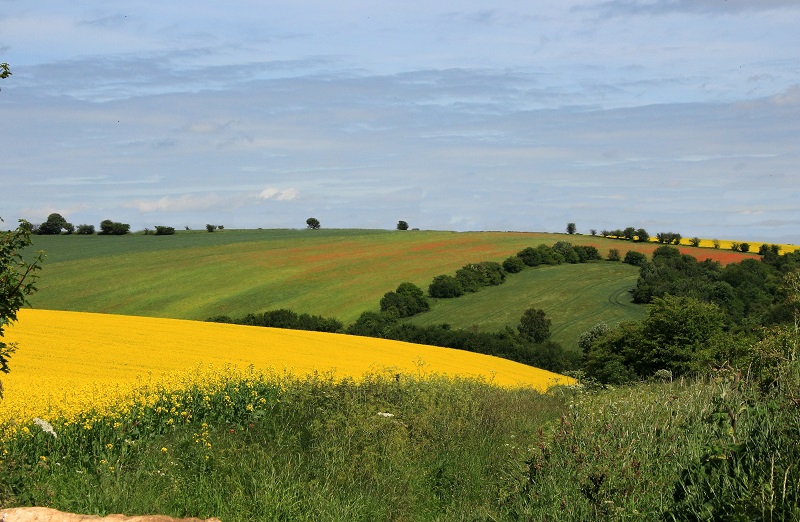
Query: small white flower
46,427
387,415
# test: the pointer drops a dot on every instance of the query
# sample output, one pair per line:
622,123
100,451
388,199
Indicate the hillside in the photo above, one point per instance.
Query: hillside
575,298
334,273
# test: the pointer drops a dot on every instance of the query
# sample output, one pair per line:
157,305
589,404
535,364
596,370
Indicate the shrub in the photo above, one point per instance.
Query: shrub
534,325
114,228
587,253
85,229
514,265
445,286
635,258
164,231
406,301
613,255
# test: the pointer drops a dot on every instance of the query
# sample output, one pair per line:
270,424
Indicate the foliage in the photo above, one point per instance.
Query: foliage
571,228
114,228
679,334
313,223
514,265
669,238
474,276
210,227
445,286
642,236
54,225
613,255
17,282
695,241
635,258
164,231
534,325
402,225
5,70
565,250
284,318
407,300
587,339
85,230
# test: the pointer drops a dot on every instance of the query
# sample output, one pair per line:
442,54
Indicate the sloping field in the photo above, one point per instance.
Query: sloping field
335,273
574,297
70,361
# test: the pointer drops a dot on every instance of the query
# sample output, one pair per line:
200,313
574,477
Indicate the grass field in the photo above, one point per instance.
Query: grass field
574,297
335,273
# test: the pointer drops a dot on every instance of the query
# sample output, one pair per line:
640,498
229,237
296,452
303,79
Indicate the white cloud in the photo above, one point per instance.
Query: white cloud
184,203
278,194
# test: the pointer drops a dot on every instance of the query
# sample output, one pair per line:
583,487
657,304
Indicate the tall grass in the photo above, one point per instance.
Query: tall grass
284,448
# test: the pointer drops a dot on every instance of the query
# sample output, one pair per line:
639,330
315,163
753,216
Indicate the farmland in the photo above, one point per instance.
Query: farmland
334,273
71,360
575,297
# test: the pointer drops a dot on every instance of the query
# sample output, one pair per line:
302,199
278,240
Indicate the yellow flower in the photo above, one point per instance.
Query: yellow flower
164,450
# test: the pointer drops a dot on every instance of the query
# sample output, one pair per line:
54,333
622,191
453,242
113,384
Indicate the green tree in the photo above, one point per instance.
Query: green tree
17,282
445,286
514,265
571,228
680,334
629,233
642,236
635,258
402,225
210,227
313,223
407,300
164,231
54,224
85,229
534,325
695,241
114,228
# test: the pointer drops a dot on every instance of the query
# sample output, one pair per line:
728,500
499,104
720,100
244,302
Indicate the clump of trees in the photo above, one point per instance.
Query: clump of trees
407,300
284,318
54,225
164,231
402,225
701,316
114,228
629,234
669,238
87,230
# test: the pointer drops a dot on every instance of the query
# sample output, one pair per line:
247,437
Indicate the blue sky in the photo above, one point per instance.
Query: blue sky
672,115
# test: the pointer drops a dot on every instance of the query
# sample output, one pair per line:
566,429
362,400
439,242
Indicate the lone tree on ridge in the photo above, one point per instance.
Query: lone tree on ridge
313,223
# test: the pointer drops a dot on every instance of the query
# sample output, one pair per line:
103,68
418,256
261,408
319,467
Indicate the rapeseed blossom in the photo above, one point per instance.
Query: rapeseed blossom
82,367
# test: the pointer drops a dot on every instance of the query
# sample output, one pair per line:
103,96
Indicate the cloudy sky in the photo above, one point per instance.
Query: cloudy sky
672,115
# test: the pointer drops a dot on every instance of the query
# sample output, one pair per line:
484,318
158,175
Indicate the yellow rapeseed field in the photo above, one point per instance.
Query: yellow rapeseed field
70,362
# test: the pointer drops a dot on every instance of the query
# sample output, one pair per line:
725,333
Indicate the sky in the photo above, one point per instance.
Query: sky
668,115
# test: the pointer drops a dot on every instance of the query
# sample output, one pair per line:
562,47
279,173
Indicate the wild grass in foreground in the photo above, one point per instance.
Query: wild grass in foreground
255,447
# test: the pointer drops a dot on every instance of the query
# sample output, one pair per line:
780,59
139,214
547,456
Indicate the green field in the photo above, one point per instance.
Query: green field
334,273
574,297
